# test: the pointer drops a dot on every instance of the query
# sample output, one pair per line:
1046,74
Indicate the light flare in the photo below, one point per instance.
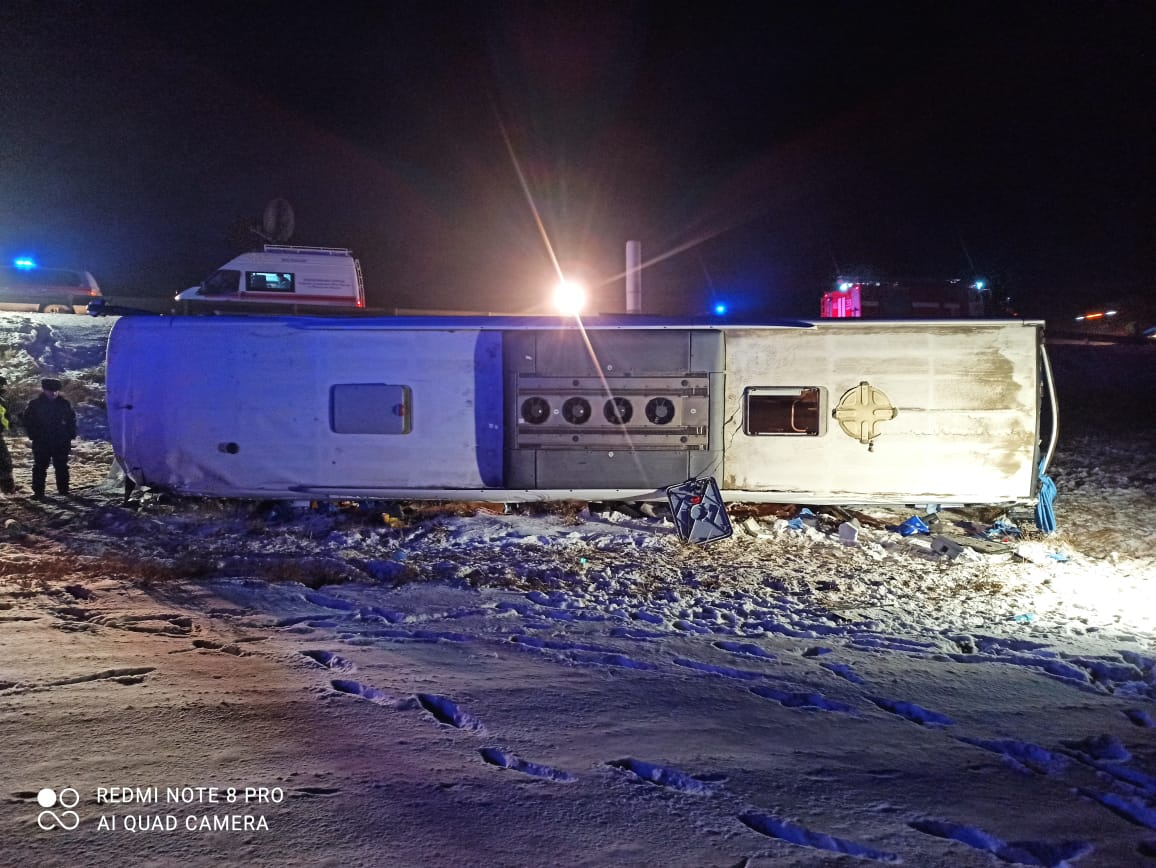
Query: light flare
569,298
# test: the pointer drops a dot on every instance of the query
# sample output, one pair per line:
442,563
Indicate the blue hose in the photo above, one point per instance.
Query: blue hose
1045,514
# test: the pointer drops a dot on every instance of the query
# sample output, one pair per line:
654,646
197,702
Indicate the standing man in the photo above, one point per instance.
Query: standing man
7,483
50,424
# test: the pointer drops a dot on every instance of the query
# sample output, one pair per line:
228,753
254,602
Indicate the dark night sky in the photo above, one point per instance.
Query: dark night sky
755,149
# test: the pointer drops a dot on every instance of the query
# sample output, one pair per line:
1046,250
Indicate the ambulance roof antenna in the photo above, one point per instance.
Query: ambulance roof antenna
278,222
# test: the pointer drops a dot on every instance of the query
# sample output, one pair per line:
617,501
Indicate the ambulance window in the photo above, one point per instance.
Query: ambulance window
370,408
269,281
223,282
791,411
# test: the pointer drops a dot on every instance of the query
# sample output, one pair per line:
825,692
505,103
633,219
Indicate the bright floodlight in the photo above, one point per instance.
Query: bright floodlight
569,298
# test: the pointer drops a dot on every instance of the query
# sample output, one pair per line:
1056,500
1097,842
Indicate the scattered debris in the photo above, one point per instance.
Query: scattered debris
699,513
913,525
849,532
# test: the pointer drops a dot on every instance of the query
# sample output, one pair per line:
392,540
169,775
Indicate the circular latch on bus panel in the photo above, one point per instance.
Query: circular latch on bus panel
862,409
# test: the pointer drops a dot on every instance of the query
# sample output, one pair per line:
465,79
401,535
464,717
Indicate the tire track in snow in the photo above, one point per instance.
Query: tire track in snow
1135,810
911,711
801,700
750,649
329,660
667,777
363,691
1040,853
400,635
445,710
772,827
1139,717
580,653
164,624
844,671
714,669
128,675
1021,755
313,792
210,645
503,759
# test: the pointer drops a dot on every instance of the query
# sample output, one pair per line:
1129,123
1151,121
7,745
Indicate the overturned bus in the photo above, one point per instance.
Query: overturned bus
521,409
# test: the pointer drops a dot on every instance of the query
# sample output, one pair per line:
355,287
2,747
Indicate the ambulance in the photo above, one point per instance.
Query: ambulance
280,279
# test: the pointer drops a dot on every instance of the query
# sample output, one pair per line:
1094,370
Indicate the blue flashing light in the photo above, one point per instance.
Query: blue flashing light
720,309
24,262
979,284
845,286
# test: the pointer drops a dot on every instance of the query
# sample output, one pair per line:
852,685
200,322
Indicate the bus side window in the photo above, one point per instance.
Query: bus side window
786,411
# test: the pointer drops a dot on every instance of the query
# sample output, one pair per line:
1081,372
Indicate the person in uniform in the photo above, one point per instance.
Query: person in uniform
50,423
7,483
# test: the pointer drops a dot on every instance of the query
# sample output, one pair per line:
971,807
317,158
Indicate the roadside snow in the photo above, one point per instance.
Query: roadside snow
446,684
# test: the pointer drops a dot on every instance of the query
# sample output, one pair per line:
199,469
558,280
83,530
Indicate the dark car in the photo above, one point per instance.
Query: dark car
1128,318
47,290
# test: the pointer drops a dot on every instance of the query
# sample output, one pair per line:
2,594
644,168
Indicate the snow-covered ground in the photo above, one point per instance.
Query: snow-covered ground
212,683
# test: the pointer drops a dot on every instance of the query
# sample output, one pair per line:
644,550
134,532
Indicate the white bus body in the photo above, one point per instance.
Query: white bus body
517,409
